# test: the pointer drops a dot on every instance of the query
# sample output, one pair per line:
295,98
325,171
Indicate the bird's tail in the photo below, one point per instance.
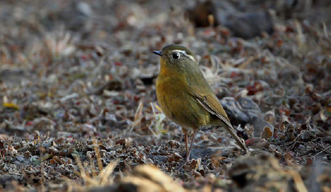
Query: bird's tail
235,136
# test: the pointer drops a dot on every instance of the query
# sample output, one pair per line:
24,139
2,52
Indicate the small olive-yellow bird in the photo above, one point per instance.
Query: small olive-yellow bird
185,96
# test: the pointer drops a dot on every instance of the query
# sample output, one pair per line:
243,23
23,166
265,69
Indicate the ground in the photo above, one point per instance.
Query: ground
79,111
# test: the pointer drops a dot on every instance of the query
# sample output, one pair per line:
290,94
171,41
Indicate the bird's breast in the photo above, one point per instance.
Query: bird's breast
178,105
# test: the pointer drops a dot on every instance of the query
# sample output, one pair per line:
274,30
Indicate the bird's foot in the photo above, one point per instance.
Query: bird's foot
182,164
187,159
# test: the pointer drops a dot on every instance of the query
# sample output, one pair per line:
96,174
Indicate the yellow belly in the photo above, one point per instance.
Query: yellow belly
179,106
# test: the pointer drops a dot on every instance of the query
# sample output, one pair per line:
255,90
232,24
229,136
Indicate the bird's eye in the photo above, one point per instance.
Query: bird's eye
176,55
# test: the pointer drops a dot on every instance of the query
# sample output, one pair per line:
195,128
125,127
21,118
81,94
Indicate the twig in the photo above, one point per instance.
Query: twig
322,151
298,181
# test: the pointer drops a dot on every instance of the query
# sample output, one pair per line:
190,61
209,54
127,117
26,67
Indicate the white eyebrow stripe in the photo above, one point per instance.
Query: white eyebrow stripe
184,52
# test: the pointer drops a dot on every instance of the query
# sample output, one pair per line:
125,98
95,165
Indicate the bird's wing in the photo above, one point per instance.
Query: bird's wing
212,105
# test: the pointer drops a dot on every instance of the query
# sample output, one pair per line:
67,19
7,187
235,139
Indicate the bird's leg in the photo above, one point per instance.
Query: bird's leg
186,143
192,141
188,151
186,139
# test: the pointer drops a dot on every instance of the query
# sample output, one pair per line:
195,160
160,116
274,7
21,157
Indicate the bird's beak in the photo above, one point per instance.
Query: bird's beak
158,53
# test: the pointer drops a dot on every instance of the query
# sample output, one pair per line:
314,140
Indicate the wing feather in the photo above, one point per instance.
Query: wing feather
212,105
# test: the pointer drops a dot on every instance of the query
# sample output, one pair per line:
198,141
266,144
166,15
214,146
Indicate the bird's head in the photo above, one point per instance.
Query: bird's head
176,56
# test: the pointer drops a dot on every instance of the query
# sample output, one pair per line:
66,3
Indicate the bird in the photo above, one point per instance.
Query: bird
185,96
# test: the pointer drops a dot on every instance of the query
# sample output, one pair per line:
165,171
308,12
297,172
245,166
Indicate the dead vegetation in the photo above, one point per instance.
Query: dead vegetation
78,107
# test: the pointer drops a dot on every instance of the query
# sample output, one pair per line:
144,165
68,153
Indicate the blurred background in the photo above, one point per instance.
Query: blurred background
73,70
